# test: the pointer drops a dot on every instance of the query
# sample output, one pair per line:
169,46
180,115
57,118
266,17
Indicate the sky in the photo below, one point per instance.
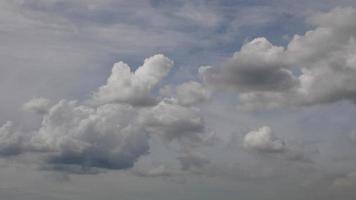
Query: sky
178,100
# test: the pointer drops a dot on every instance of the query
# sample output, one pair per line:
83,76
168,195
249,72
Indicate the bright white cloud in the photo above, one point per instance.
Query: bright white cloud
134,88
263,140
103,137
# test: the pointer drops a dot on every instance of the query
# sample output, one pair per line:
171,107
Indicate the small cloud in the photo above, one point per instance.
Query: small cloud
262,140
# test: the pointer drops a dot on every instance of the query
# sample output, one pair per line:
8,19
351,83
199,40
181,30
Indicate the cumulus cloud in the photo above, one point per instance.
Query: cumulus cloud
113,130
263,140
11,141
134,88
315,68
172,121
102,137
190,93
258,66
37,105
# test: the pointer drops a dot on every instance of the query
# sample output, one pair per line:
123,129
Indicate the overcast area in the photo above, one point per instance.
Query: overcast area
178,100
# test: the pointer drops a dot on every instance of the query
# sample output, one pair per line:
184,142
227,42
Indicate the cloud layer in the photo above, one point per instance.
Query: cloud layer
185,123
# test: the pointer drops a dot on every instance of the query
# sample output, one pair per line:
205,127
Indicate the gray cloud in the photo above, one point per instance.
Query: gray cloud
193,161
11,141
173,121
103,137
113,131
270,76
258,66
37,105
60,49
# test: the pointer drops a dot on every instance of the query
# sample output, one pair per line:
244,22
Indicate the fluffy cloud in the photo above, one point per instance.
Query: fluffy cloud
263,140
258,66
113,130
102,137
191,93
37,105
173,121
11,141
124,86
317,67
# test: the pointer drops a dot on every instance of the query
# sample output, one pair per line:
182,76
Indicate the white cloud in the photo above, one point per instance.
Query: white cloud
11,141
134,88
37,105
190,93
103,137
263,140
317,67
173,121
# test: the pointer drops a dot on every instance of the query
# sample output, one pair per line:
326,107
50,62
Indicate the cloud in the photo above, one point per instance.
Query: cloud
11,141
37,105
346,182
262,140
172,121
112,129
258,66
315,68
326,58
102,137
189,93
124,86
158,171
145,167
193,160
200,14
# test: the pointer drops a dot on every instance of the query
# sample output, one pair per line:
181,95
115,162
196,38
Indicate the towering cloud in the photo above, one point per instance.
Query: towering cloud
124,86
112,133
